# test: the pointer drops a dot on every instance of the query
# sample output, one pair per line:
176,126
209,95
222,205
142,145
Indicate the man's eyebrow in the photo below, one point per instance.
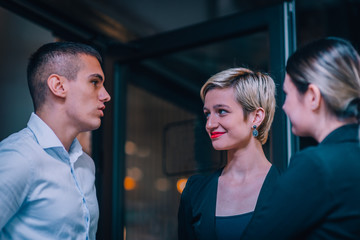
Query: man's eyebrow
96,75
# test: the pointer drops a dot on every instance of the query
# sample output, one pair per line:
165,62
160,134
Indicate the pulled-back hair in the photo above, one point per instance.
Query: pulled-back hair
332,64
252,90
60,58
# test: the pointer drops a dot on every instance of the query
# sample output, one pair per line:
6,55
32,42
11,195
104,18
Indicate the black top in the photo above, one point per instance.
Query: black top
318,197
232,227
196,216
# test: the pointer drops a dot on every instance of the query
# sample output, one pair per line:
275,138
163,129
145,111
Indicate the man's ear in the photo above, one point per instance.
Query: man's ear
57,85
258,116
313,96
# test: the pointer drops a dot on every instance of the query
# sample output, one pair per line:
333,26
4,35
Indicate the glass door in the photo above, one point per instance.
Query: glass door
159,134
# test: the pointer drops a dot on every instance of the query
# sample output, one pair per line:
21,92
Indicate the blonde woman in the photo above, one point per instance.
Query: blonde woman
318,197
239,106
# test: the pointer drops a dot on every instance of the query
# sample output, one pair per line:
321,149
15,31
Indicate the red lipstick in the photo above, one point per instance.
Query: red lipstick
216,134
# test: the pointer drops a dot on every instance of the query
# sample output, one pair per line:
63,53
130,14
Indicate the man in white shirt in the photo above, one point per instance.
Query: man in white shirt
47,186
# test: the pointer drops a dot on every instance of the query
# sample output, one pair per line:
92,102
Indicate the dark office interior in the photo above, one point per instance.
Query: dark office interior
157,55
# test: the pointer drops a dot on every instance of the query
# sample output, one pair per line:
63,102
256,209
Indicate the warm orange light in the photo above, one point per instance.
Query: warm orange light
129,183
181,184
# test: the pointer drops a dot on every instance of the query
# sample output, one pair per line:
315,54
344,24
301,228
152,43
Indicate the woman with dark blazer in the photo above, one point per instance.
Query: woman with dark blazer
318,197
239,106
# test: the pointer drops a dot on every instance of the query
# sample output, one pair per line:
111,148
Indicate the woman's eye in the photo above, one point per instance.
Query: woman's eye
222,111
95,82
206,114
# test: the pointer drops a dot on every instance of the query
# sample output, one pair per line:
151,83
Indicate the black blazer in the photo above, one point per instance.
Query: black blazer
318,197
196,216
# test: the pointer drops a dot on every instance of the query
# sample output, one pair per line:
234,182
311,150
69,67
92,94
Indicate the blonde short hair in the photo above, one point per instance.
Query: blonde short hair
252,90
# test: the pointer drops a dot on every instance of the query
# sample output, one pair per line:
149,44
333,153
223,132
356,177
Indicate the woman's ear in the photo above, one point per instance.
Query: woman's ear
313,97
258,116
57,85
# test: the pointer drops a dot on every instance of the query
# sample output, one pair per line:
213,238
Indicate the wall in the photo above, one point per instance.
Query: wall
19,38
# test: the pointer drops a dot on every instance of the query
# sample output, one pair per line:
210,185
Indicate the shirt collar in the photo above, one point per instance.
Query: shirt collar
348,132
46,137
75,150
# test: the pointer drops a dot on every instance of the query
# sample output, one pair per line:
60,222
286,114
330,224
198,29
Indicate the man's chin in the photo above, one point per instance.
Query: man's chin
93,126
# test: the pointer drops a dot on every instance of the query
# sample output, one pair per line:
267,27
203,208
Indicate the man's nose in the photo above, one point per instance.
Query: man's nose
104,95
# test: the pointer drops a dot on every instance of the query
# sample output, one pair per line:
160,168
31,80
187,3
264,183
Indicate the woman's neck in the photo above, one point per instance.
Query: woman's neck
329,124
246,161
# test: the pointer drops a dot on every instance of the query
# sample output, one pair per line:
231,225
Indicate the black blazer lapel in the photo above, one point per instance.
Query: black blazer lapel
205,228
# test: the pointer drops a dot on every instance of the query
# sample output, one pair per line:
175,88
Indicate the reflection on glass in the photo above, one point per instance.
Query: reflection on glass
191,68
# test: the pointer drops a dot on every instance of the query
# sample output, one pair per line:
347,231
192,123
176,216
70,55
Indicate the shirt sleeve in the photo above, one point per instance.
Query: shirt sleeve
185,229
15,176
299,201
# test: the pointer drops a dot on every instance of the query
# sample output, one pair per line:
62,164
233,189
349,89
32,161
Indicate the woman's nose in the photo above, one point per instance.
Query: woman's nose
211,122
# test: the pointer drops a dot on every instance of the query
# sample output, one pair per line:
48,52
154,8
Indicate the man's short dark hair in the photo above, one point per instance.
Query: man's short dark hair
60,58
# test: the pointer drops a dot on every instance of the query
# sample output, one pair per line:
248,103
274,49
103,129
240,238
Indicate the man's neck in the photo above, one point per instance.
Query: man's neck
62,130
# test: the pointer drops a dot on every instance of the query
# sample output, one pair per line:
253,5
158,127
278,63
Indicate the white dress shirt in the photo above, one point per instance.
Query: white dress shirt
45,191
